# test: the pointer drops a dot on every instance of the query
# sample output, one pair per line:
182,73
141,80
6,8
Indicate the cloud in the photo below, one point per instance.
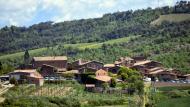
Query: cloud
28,12
77,9
15,12
50,4
107,3
166,2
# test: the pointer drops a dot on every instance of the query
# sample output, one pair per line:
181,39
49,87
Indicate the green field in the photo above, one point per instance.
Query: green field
171,18
177,102
173,97
173,88
79,46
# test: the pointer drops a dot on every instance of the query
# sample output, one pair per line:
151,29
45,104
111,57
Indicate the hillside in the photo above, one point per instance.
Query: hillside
105,39
80,46
109,26
171,18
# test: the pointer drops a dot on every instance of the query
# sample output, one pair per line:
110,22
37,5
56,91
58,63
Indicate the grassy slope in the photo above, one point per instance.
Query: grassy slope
171,88
176,102
183,101
171,18
80,46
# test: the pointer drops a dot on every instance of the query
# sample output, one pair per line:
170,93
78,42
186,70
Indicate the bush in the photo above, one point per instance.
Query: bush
13,81
149,105
188,91
113,82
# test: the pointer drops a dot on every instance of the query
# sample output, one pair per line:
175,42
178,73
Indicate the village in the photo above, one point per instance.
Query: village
92,74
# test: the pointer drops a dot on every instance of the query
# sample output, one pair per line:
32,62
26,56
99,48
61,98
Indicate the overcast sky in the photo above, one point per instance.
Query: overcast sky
28,12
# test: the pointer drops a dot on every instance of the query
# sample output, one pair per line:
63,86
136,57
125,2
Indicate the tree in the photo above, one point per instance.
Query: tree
113,82
124,76
123,85
139,86
105,85
26,57
13,81
133,78
104,47
1,66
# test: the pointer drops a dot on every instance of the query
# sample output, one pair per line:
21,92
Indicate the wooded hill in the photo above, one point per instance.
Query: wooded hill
110,26
167,42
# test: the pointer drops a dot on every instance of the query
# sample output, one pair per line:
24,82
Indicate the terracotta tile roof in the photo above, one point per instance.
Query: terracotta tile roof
25,70
46,65
50,58
61,69
103,78
123,59
80,61
187,75
142,62
155,68
33,73
83,62
117,62
36,75
176,72
157,71
72,71
109,65
95,61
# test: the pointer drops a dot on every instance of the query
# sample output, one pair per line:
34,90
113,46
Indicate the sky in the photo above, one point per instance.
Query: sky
29,12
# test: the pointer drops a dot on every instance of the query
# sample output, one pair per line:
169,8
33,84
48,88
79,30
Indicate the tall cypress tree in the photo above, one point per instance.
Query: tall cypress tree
1,66
26,57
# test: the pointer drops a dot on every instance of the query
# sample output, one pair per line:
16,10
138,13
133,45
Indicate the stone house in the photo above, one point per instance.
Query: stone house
27,76
59,62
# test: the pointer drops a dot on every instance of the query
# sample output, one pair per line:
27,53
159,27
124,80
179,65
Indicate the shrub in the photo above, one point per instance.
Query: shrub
113,82
13,81
148,105
188,91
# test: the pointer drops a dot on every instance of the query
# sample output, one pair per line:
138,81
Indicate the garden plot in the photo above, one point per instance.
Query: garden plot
52,90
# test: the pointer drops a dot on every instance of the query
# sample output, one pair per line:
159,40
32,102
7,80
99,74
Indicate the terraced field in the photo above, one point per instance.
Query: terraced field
171,18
